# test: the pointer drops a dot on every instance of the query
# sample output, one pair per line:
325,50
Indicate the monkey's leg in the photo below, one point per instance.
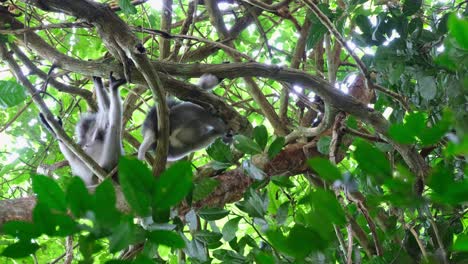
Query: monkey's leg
112,149
103,107
149,138
101,94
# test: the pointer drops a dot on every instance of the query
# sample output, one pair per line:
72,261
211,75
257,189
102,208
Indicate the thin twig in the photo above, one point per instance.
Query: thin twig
349,256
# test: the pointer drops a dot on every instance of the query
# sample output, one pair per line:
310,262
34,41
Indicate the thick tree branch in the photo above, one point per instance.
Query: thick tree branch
187,92
85,94
166,20
180,89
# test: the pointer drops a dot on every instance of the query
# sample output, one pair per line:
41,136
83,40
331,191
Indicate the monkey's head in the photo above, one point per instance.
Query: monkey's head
84,131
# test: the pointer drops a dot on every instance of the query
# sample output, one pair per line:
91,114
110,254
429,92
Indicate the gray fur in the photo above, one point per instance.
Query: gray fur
99,134
191,126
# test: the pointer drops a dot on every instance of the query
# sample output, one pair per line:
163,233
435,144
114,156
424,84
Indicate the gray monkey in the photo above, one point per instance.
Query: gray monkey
99,134
191,127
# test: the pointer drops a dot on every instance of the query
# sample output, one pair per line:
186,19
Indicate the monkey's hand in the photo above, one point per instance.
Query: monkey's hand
47,125
114,83
228,137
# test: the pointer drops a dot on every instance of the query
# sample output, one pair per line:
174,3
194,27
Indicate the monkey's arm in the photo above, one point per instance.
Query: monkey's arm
77,166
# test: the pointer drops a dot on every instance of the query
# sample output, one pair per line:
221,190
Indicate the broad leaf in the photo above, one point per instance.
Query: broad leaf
220,152
137,184
203,188
11,94
20,250
104,204
372,161
410,7
457,29
261,136
173,185
275,147
49,193
20,229
78,198
230,228
127,7
324,168
168,238
212,214
246,145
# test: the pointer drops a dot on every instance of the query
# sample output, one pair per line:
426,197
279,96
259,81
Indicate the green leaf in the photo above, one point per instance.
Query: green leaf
264,258
229,256
323,145
364,24
168,238
300,242
207,236
20,250
253,204
282,213
11,94
427,87
127,7
406,133
457,29
122,236
137,184
104,204
20,229
246,145
78,198
253,171
275,147
42,219
434,134
461,244
230,228
325,205
204,188
49,193
317,30
212,214
64,225
372,161
401,133
282,181
410,7
220,152
445,188
324,168
88,246
261,136
173,185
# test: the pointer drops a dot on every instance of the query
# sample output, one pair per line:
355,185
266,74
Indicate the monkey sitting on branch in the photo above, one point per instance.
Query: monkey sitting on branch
191,126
